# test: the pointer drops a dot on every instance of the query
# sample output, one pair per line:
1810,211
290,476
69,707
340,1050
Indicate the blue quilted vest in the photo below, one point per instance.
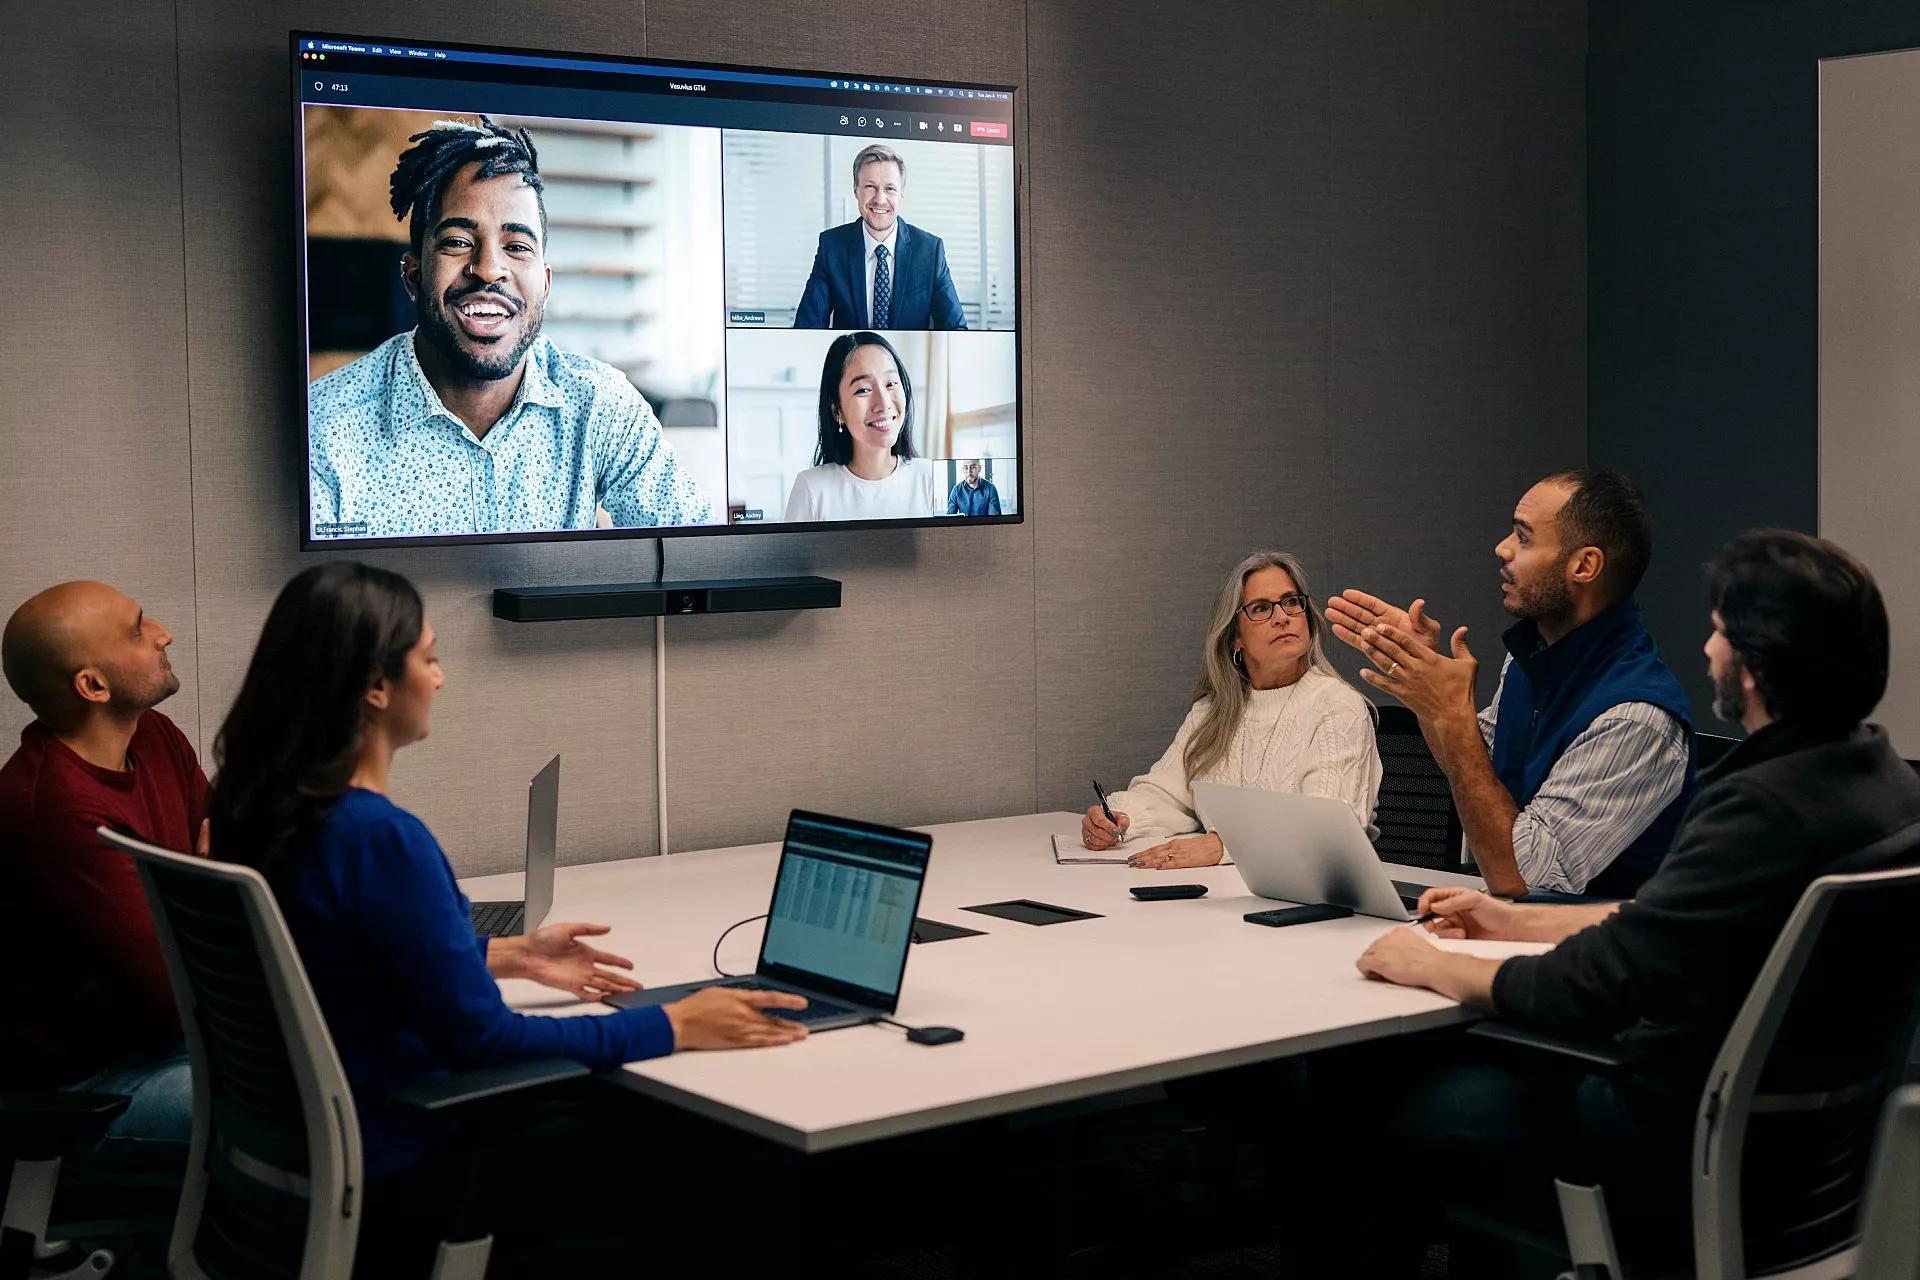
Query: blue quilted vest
1553,692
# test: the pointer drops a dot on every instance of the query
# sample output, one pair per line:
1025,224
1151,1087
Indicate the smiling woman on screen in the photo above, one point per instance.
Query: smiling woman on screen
1268,711
864,465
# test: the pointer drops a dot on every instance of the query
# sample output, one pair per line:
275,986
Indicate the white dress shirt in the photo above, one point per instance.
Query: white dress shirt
893,259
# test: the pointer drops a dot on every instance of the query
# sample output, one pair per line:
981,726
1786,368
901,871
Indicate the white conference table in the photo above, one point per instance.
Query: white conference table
1149,992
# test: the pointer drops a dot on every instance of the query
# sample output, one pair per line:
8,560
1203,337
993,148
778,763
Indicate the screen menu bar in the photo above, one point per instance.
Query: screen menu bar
888,100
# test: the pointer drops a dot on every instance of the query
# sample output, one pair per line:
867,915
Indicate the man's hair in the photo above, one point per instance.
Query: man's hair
34,666
1807,620
421,176
877,154
1606,510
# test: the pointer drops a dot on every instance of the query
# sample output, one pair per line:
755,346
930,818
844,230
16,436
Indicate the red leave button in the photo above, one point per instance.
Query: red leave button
987,129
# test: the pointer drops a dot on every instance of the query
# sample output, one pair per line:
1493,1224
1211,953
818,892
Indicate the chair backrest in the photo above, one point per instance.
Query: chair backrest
1418,824
274,1178
1710,748
1787,1119
1890,1223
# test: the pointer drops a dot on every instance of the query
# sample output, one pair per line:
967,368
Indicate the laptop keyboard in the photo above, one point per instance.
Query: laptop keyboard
816,1010
498,919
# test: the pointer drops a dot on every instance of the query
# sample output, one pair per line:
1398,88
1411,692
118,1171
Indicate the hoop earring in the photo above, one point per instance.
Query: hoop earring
1239,661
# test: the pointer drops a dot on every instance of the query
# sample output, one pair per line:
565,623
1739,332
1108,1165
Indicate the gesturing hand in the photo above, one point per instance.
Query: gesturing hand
1351,612
731,1018
1429,683
555,957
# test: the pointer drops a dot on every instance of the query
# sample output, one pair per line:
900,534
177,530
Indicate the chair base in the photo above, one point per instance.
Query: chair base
24,1258
465,1260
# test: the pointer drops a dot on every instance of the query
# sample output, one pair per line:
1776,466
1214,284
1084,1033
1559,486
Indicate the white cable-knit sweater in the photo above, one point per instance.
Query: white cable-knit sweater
1314,737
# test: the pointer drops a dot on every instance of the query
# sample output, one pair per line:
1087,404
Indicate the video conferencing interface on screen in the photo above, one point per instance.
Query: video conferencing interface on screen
548,294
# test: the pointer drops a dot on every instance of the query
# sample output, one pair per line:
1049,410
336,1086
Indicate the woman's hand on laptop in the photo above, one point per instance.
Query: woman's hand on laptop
554,956
732,1018
1188,851
1466,913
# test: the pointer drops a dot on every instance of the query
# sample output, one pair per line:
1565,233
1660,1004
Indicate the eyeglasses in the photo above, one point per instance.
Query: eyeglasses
1261,610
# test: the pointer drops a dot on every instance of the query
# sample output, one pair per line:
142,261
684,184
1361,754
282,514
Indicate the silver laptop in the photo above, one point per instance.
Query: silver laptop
510,919
1306,849
839,925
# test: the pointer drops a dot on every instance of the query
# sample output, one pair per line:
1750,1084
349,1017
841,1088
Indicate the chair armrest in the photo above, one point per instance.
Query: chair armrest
437,1098
1604,1056
43,1126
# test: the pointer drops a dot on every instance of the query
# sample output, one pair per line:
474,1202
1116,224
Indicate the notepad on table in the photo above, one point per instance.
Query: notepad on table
1488,948
1069,852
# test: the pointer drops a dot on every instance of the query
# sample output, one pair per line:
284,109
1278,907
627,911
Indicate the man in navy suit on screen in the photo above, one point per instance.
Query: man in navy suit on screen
879,272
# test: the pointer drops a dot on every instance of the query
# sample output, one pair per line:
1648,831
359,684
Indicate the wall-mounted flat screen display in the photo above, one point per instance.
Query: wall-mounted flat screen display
549,295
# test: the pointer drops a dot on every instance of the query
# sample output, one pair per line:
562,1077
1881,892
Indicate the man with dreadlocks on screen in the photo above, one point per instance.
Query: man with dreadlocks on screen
474,422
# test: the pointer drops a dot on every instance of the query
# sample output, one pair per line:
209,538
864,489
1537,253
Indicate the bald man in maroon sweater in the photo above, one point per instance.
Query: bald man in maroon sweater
94,1009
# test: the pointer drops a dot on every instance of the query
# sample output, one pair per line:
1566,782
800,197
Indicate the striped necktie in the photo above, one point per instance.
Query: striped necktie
882,288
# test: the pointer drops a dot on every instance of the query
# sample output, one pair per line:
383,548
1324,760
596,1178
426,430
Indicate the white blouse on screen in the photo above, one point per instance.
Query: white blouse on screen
831,492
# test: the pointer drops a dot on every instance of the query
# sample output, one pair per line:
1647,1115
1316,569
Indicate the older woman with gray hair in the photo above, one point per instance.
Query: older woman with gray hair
1268,711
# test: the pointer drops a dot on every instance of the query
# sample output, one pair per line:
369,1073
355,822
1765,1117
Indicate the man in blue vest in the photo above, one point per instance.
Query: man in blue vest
1573,780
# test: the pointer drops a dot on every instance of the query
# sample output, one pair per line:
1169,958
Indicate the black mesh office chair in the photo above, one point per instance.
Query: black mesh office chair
275,1184
1786,1122
1418,823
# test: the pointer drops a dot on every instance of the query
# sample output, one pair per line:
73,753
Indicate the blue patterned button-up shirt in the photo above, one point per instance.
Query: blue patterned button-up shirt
386,459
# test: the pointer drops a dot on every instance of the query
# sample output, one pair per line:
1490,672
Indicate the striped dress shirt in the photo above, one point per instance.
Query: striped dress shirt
1605,789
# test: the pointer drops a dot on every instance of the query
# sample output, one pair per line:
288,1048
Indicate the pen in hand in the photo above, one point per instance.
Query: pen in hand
1106,808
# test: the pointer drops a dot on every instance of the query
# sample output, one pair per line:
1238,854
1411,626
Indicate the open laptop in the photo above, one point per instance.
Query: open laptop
1305,849
510,919
839,924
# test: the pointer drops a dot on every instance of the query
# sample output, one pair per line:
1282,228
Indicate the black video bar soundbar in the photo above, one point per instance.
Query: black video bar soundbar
654,599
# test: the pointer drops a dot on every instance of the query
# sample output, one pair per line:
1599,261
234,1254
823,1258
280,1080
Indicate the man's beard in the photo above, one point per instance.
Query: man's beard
1547,600
1729,699
130,699
440,328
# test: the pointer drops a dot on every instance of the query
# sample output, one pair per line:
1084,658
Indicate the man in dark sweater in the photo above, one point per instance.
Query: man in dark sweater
100,1014
1799,658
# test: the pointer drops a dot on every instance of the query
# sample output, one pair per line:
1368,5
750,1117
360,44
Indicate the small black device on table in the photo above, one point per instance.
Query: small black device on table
1167,892
1282,916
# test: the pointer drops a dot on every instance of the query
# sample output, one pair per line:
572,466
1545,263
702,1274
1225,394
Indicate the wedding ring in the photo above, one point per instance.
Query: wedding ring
1395,667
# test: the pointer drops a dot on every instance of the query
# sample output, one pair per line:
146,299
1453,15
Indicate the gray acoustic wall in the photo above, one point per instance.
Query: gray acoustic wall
1298,274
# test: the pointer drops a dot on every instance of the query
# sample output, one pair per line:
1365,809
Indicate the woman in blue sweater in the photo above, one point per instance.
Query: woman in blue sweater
344,676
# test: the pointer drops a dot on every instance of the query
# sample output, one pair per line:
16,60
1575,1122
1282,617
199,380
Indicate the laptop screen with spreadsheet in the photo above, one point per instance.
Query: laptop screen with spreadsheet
843,906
